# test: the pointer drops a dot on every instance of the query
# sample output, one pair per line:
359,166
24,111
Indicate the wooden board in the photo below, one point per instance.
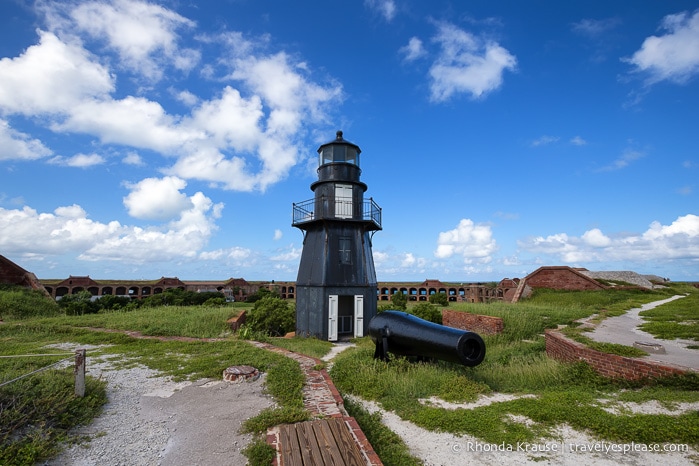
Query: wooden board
324,442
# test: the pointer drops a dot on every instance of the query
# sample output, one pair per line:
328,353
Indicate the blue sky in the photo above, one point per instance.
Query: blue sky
148,139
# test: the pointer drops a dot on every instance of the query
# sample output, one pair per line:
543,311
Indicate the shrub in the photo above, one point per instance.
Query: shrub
179,297
261,293
440,299
399,301
78,304
273,316
428,312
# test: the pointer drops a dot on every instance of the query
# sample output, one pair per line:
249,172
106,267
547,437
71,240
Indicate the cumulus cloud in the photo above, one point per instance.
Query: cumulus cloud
401,265
467,64
277,234
474,242
68,229
679,240
157,198
51,77
245,137
596,238
673,56
15,145
143,34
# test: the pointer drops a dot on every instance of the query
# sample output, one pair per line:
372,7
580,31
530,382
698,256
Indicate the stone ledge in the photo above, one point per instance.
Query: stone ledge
564,349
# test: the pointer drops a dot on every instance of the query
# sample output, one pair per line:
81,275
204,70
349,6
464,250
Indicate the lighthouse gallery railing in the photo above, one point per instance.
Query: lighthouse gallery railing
331,207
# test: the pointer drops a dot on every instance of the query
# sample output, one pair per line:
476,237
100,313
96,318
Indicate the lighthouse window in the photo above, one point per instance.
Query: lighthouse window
345,251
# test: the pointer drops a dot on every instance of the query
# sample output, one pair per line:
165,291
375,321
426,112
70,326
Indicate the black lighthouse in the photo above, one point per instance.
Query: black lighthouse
336,288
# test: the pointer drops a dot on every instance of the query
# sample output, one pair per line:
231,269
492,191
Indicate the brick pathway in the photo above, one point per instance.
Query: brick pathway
321,399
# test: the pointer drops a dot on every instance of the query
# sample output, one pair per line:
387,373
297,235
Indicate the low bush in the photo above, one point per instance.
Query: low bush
273,316
429,312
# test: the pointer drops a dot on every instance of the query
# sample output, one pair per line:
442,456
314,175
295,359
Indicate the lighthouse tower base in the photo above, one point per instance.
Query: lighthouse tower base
334,313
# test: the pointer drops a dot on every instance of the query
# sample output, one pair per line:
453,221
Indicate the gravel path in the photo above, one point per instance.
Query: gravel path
151,420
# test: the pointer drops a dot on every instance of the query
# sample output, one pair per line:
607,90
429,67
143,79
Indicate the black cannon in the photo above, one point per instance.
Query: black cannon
407,335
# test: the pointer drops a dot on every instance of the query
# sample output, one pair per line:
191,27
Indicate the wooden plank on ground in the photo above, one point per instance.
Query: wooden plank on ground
346,443
310,451
289,448
327,443
324,442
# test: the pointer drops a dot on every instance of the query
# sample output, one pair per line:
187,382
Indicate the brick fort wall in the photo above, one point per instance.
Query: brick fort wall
486,325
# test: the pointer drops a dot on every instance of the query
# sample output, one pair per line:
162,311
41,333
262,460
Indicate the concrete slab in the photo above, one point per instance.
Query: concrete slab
624,331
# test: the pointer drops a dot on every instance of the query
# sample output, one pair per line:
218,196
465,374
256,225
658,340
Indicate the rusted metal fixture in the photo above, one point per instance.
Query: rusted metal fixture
240,374
407,335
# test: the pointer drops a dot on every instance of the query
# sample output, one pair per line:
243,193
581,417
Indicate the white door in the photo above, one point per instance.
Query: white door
358,315
343,201
332,317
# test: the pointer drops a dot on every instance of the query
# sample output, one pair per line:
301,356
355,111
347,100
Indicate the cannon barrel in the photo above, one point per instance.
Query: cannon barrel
407,335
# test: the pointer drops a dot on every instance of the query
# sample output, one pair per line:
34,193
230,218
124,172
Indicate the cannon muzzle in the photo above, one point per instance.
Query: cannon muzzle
407,335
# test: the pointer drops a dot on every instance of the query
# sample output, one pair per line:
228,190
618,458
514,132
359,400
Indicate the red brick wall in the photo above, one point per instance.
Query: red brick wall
236,322
609,365
485,325
561,278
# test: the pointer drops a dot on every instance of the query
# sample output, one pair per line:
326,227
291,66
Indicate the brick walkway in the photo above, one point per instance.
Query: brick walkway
322,400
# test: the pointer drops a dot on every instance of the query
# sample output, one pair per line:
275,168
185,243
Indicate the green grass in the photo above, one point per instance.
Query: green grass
386,443
182,360
185,321
676,319
38,412
516,364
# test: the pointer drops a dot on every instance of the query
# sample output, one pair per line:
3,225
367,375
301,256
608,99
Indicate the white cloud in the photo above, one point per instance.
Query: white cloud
230,120
236,256
132,122
467,64
387,8
594,28
596,238
677,241
544,141
277,235
470,240
687,225
578,141
292,254
673,56
244,138
15,145
624,160
185,97
143,34
51,77
157,198
413,50
78,160
68,229
133,158
408,260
